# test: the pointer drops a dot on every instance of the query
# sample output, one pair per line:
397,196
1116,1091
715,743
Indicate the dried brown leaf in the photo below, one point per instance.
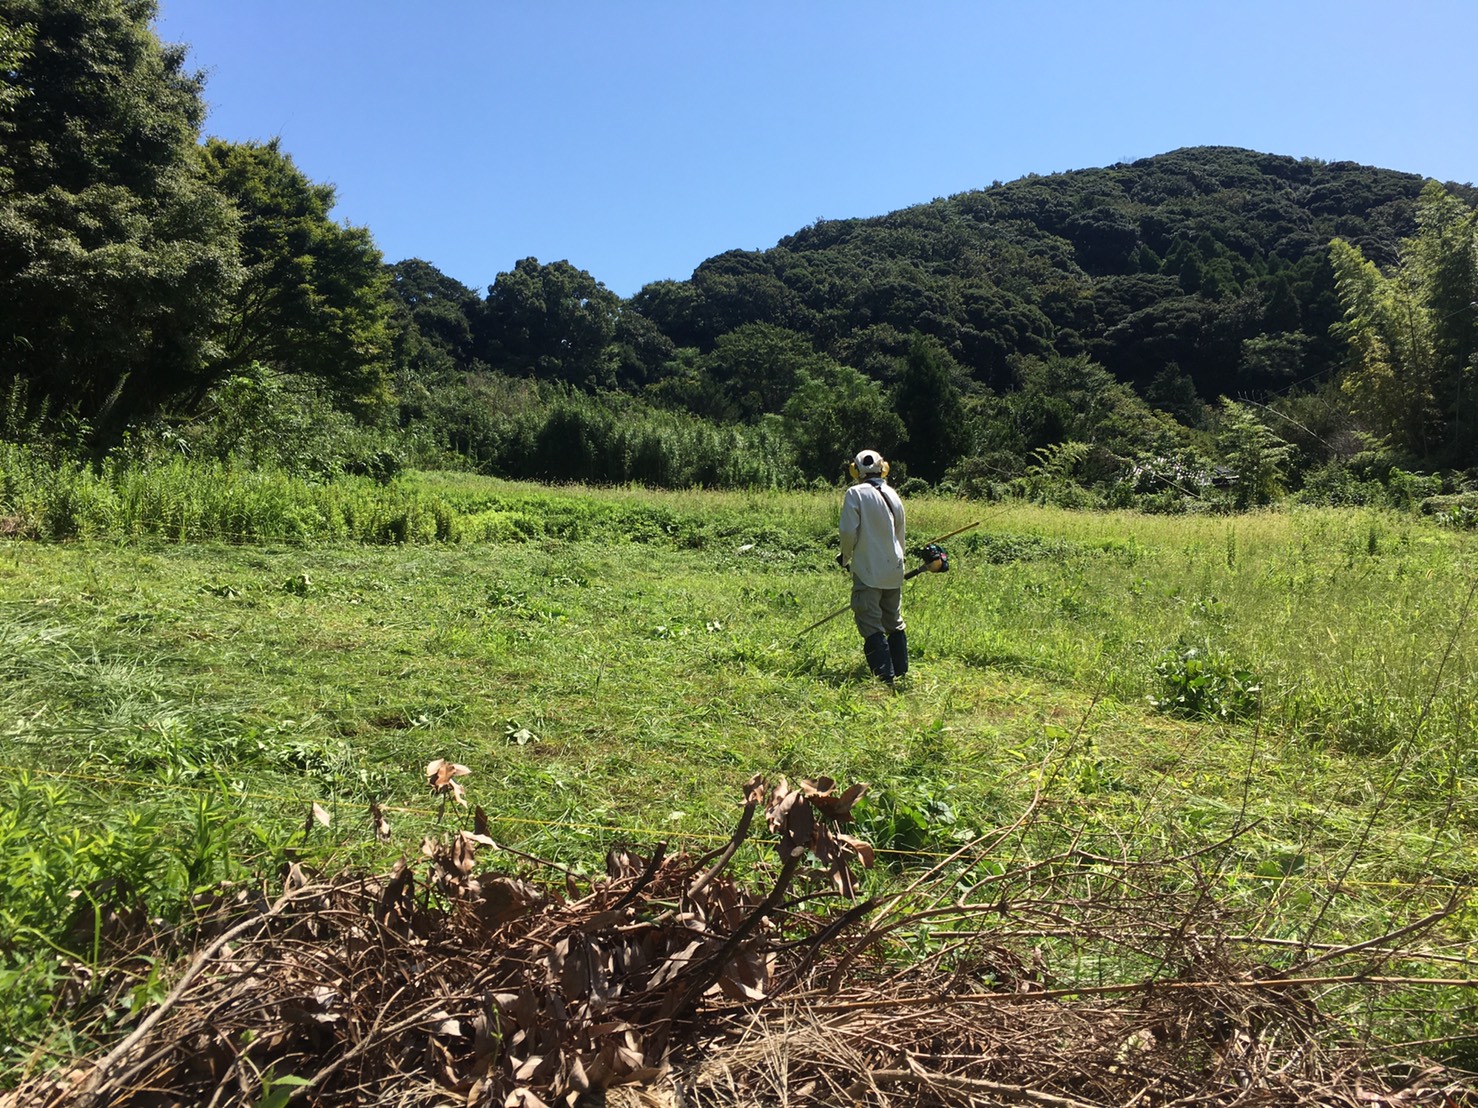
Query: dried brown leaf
838,808
463,854
442,775
675,964
574,1076
379,822
863,850
523,1098
526,1069
798,827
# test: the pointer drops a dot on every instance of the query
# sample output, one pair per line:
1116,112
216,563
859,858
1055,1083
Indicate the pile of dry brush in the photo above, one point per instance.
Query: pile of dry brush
667,983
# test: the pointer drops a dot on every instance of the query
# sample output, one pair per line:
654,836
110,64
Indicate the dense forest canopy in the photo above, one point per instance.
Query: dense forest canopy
1102,328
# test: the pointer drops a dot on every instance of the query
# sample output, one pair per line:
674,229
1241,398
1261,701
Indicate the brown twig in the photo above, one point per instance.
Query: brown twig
97,1081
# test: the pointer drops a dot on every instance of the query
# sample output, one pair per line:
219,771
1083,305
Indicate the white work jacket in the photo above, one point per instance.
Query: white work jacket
872,534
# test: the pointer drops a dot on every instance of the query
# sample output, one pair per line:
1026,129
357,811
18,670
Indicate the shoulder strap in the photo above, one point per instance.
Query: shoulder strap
877,487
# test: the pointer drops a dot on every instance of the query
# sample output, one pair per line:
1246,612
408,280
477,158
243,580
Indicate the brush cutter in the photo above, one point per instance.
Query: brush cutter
935,560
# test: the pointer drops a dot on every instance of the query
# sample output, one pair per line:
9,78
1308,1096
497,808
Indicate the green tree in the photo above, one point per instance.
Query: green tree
116,257
677,309
683,384
927,400
1413,333
1253,452
441,308
314,297
833,412
1076,399
638,350
431,329
15,48
1175,393
756,367
553,322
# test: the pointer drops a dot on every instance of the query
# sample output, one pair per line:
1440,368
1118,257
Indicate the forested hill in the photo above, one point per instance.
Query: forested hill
1212,262
1109,308
167,291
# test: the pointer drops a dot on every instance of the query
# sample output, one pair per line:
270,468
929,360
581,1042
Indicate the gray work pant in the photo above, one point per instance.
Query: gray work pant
876,610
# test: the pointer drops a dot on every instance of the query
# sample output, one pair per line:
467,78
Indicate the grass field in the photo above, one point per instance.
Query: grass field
619,662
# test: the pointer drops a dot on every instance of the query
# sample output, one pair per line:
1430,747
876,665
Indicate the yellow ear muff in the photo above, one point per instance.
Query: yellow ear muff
886,467
853,472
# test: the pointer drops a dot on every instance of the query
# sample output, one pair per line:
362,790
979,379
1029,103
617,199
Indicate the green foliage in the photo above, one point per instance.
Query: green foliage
929,404
116,257
1076,399
756,367
1334,484
833,412
553,322
15,47
1410,490
1414,333
907,826
181,499
262,419
1201,682
439,308
1458,511
1255,455
1052,478
74,877
515,429
314,297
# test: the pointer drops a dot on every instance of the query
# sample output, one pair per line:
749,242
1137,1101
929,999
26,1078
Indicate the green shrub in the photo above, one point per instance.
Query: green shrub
1200,682
1407,490
1457,510
1336,485
71,877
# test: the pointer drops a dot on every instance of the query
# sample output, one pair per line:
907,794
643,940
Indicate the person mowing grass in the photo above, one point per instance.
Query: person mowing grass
871,531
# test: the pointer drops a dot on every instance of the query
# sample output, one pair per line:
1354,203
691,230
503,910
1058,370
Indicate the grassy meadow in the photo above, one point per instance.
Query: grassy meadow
1296,690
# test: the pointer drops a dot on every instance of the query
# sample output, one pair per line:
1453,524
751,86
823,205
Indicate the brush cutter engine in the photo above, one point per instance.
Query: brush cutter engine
935,559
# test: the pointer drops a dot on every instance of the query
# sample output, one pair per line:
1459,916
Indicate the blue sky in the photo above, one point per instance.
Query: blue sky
635,139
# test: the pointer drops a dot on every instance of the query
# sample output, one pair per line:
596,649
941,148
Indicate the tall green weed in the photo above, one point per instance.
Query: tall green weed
76,881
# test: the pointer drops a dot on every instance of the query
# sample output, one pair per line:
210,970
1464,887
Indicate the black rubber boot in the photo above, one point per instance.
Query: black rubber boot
898,650
879,660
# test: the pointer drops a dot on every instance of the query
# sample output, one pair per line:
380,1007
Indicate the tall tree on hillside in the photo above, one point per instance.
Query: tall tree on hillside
1413,334
834,412
1077,400
431,329
116,257
15,47
441,308
553,322
313,301
929,402
755,368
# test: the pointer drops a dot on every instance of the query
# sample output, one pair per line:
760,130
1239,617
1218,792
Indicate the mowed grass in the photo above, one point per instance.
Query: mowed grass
616,681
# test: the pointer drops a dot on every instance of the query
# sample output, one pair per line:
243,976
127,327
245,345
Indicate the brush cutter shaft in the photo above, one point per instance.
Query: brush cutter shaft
911,573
